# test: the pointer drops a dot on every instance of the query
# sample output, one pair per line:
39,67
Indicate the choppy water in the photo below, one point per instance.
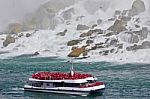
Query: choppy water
128,81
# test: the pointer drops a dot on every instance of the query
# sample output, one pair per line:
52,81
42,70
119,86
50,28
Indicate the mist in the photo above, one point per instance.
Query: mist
14,10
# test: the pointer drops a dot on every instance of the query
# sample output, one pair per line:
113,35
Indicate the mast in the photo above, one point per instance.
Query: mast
71,69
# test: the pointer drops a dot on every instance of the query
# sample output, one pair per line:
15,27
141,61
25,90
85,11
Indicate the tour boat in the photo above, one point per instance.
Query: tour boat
74,83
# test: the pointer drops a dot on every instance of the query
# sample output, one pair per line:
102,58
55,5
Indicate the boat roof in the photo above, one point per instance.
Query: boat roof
61,77
59,81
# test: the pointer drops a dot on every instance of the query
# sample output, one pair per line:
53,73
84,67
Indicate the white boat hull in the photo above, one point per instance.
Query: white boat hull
66,90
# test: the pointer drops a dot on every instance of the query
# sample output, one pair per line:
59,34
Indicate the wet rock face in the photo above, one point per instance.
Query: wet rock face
73,42
43,18
110,34
125,19
118,26
144,45
89,41
124,12
36,53
142,33
73,48
76,52
20,35
14,28
3,52
113,42
97,47
28,35
82,27
105,52
117,12
62,33
79,18
9,39
122,15
90,32
112,50
99,21
119,46
130,37
98,31
134,39
94,25
134,47
111,19
68,14
138,6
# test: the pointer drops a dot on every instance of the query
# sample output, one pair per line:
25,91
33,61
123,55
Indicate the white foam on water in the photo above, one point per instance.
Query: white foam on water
49,44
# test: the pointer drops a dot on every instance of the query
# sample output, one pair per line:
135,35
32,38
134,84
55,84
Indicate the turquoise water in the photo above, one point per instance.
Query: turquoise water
128,81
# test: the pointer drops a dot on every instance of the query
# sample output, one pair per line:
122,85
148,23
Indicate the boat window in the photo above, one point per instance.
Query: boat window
49,84
90,81
57,84
35,84
71,85
62,84
82,84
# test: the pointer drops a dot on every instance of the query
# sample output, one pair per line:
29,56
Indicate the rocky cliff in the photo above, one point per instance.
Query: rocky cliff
109,30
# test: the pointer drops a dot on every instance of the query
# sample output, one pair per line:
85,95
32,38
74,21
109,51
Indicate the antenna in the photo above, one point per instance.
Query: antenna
72,69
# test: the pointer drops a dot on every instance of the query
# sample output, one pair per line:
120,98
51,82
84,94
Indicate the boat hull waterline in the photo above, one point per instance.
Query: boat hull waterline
60,90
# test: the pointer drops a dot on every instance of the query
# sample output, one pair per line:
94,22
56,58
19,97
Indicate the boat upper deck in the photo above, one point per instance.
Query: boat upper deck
60,76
